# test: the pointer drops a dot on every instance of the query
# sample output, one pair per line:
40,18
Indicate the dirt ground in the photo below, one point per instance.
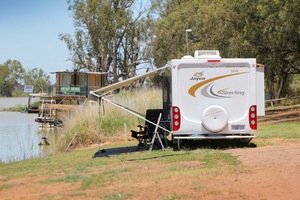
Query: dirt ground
273,172
269,172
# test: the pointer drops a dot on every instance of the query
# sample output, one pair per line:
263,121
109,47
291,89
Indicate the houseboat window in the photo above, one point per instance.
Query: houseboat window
66,80
82,80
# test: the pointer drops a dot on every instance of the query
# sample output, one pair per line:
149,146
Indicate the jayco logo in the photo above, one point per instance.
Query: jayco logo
197,77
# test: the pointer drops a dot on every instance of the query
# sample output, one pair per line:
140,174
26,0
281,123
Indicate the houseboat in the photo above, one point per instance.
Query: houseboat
71,89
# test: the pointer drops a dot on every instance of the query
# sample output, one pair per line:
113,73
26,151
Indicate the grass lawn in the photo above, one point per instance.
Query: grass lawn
85,174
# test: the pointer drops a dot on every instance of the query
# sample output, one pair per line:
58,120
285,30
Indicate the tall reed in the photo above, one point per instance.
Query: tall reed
81,126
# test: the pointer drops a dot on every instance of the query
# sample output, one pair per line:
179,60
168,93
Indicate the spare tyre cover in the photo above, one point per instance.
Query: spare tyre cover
214,118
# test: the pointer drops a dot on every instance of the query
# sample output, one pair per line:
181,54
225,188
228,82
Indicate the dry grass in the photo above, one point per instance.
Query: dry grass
81,126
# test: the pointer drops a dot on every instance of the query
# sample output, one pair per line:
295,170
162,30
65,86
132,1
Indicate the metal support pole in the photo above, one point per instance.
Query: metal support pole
187,40
99,152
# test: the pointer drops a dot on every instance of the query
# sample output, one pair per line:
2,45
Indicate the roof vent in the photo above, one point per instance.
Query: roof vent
188,57
207,54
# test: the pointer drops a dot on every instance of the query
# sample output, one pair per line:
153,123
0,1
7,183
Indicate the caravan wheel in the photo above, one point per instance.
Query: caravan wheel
175,144
247,142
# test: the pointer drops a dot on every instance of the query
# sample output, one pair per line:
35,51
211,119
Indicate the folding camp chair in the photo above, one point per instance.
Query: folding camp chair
145,133
156,135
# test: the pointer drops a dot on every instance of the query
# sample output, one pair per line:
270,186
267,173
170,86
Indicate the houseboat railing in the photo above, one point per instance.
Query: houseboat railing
71,90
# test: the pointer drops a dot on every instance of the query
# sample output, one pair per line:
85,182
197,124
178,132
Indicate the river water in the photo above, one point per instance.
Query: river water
20,135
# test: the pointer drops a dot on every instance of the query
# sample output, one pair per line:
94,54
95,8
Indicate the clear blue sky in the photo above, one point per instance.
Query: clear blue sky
29,32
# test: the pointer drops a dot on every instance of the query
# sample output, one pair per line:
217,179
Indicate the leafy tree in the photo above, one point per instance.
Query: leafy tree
271,30
11,77
267,30
38,78
109,36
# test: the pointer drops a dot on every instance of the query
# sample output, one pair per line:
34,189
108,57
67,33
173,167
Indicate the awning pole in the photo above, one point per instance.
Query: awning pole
99,138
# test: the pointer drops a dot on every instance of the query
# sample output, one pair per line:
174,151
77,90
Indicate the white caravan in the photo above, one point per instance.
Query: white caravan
208,97
213,98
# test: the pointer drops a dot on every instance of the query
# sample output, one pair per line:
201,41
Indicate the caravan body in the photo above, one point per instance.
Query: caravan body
207,97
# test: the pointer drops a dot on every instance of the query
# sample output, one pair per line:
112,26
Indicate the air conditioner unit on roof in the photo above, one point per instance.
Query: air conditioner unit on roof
207,54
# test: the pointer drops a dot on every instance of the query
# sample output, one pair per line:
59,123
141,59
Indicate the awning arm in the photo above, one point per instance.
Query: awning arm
125,82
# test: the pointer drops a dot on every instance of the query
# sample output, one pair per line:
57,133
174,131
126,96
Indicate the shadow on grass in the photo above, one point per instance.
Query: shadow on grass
154,157
215,144
187,145
114,151
129,149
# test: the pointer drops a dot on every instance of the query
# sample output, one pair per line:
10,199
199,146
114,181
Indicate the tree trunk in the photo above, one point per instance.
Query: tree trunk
278,90
115,62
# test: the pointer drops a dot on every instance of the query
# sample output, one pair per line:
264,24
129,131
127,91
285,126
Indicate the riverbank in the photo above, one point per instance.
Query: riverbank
19,108
213,172
123,173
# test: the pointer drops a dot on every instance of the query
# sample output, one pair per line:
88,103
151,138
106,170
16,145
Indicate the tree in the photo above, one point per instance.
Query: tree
267,30
271,29
38,78
109,36
11,73
169,40
13,77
